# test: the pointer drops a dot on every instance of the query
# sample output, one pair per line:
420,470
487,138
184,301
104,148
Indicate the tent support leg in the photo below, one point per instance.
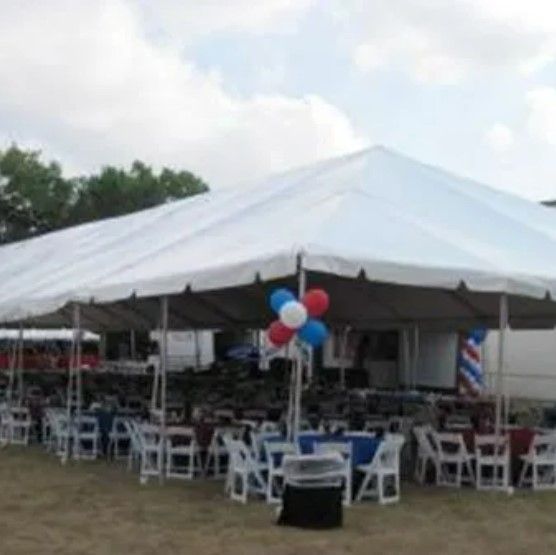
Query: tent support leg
501,356
415,364
302,286
19,368
74,389
343,356
163,376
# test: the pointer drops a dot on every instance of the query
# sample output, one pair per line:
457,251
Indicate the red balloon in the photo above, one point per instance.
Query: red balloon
278,334
316,302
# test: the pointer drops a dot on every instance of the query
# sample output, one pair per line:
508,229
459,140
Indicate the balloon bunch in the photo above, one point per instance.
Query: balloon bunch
299,317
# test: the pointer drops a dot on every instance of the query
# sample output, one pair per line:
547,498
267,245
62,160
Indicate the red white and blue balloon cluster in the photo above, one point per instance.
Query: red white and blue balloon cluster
299,317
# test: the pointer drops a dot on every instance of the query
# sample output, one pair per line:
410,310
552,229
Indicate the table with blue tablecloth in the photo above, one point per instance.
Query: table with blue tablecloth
363,446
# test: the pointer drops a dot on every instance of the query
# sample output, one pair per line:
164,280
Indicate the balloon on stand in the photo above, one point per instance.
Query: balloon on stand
278,334
314,332
280,297
316,302
293,314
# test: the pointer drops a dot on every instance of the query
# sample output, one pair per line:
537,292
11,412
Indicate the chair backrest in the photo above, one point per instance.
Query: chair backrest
180,435
240,456
449,443
20,414
424,441
119,426
489,445
387,455
276,450
310,471
344,448
458,422
132,428
86,424
149,434
543,445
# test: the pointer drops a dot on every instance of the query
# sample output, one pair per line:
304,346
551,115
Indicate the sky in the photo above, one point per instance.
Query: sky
236,89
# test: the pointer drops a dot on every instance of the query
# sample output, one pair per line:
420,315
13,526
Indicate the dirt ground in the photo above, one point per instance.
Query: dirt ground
100,508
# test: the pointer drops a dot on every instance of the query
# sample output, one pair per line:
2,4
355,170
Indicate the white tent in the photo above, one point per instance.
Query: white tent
393,240
395,243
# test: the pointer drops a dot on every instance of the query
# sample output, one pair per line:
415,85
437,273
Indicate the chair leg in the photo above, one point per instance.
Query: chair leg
523,474
380,489
363,487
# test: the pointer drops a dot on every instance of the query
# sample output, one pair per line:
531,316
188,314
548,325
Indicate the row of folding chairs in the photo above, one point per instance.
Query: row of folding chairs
178,456
250,473
80,438
489,466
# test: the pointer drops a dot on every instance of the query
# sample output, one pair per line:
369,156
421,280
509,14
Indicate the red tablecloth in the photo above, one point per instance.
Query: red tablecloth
520,440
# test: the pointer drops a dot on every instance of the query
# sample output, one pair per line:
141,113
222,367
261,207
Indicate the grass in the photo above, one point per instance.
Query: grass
100,508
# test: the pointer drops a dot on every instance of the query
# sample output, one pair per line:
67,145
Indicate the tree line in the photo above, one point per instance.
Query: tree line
35,197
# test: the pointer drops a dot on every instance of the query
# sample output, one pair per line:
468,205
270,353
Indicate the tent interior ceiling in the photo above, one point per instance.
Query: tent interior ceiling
358,303
394,242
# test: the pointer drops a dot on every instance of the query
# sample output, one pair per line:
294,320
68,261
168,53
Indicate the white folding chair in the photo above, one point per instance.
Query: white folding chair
19,425
135,445
152,451
244,475
492,454
426,453
119,439
275,452
454,461
217,454
345,449
183,458
86,437
5,420
541,462
381,477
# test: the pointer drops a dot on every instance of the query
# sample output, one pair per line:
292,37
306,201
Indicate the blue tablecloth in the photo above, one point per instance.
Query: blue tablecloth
363,447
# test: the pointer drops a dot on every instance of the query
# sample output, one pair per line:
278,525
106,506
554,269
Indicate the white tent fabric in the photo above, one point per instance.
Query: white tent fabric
38,335
433,246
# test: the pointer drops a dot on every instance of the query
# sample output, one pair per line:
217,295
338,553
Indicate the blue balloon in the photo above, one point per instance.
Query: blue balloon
279,297
313,332
478,335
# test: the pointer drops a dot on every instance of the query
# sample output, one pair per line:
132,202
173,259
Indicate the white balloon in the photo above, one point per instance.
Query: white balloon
293,314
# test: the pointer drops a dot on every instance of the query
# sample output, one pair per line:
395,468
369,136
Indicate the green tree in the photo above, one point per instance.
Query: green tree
115,191
35,197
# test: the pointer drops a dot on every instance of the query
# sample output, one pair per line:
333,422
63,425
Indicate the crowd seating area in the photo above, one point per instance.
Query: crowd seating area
224,428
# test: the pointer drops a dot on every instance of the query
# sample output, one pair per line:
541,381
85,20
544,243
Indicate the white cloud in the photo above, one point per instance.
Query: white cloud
182,20
542,113
85,79
439,41
499,137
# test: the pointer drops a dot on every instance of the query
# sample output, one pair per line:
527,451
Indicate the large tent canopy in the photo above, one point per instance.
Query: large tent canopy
394,241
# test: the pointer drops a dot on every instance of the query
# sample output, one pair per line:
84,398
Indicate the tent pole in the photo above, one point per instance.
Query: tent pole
132,347
78,381
69,395
19,368
415,365
501,353
343,355
163,375
406,358
11,376
302,286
